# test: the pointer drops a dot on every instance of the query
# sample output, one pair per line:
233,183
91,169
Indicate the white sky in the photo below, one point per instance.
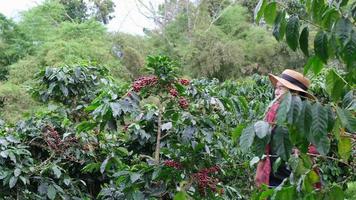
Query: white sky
127,19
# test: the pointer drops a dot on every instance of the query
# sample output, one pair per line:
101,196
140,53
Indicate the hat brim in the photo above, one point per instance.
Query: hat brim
274,79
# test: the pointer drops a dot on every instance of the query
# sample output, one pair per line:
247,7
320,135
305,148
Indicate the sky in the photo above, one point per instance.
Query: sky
128,13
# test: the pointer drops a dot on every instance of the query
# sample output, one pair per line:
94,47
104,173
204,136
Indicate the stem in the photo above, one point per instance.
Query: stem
158,143
331,158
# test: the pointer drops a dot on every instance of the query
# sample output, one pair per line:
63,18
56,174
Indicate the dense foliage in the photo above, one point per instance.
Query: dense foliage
88,114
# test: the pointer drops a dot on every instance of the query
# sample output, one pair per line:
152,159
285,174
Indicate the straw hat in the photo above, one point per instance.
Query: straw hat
292,80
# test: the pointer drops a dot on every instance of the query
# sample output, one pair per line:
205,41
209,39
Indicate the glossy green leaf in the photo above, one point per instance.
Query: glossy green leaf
270,12
331,117
262,128
317,8
343,2
342,30
12,181
318,135
51,192
314,64
246,139
237,132
279,27
329,17
349,100
304,41
180,196
56,171
348,53
334,85
321,46
104,164
344,147
281,144
347,119
283,108
135,177
292,32
259,9
285,193
295,108
335,192
17,172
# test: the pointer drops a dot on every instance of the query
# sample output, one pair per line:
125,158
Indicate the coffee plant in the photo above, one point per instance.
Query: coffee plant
164,136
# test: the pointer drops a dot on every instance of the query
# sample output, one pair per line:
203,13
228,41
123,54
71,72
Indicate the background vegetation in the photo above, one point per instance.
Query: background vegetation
91,114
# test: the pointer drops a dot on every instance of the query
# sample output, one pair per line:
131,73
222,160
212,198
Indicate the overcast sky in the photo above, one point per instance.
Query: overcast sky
127,19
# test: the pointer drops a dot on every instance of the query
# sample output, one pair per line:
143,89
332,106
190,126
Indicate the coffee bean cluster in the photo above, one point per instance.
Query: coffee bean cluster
183,103
184,81
172,163
144,81
205,181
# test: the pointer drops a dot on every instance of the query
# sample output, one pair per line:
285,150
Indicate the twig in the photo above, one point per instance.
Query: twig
165,135
145,156
331,158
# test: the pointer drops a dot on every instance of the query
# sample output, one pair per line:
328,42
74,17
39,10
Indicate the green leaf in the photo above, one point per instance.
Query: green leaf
284,193
56,171
334,85
244,104
349,100
134,177
276,164
317,9
343,3
237,132
347,119
262,129
295,108
103,164
331,118
246,139
315,64
12,181
116,109
304,41
281,144
180,196
342,30
283,108
123,151
51,192
17,172
335,192
64,90
348,54
321,46
167,126
292,32
254,160
259,9
318,136
270,12
279,27
344,148
329,17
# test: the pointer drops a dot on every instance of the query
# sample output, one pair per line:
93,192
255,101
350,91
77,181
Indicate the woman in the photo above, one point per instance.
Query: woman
294,82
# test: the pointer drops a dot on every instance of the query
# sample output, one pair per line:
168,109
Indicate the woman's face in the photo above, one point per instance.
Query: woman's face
279,90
